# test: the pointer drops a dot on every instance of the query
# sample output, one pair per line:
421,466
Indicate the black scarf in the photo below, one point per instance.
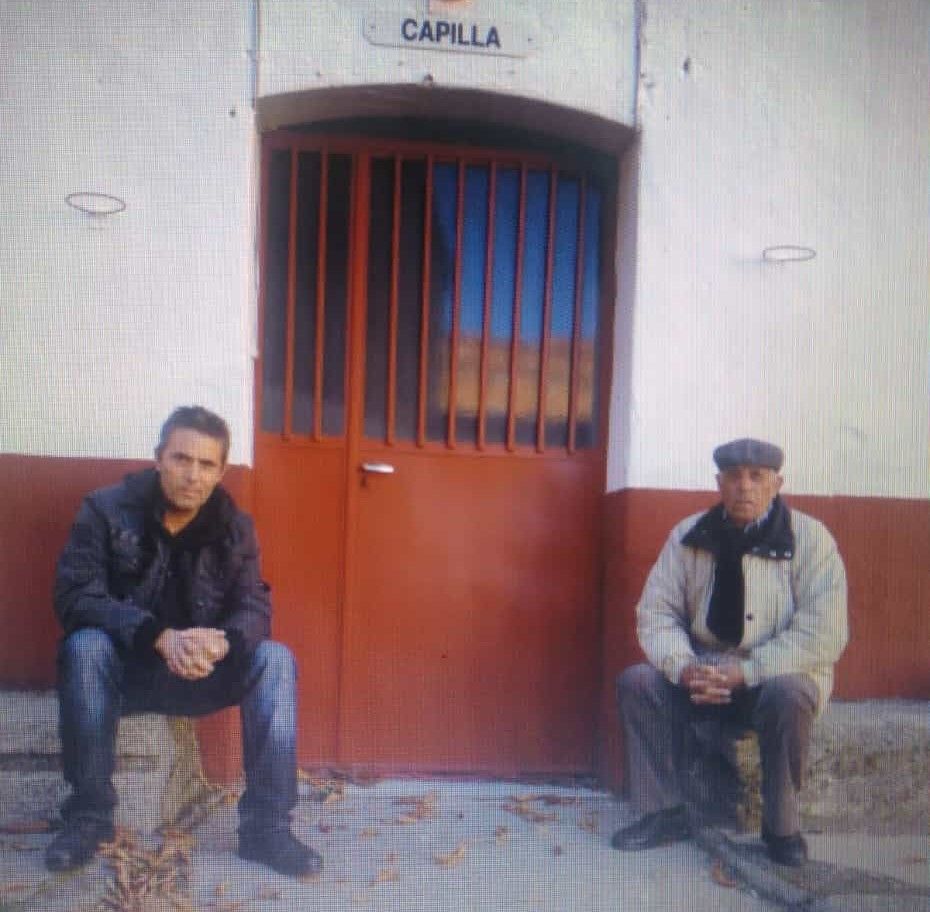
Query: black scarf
772,538
175,604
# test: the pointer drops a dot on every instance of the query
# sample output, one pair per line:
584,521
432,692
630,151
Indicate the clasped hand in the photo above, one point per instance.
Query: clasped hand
192,654
712,684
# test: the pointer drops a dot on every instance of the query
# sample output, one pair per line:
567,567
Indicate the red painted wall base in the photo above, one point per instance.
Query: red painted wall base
40,497
885,544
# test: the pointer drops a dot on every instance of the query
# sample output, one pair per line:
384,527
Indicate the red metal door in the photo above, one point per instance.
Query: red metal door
431,528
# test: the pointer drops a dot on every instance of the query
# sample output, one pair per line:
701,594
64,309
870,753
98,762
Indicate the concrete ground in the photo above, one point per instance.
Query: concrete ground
439,845
447,845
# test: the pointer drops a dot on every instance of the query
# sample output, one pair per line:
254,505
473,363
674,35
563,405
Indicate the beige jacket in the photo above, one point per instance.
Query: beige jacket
795,617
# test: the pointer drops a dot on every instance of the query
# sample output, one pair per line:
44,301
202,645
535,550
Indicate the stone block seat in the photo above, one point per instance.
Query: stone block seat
869,767
868,770
158,775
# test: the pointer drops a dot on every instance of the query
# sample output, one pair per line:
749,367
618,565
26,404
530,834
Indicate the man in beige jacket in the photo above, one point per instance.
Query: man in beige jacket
742,619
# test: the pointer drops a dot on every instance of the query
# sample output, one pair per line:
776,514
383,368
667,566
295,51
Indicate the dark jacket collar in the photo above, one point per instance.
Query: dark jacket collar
773,539
210,523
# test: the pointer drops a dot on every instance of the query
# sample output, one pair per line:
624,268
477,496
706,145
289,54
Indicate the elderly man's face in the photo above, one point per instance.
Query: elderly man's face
747,491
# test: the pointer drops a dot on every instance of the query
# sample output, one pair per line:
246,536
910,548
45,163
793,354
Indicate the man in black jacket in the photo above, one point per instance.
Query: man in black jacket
164,610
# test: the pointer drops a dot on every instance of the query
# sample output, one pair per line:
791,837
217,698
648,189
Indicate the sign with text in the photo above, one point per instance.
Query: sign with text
506,37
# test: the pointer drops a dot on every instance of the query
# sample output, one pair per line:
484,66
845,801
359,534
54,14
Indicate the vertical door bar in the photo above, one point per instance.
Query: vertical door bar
356,302
320,297
291,303
576,319
262,297
456,304
488,297
517,296
392,319
425,302
547,315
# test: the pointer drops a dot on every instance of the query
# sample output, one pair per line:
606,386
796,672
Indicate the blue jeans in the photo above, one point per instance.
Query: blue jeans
98,683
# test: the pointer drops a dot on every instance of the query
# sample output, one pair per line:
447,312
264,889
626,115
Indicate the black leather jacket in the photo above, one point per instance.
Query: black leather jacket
111,573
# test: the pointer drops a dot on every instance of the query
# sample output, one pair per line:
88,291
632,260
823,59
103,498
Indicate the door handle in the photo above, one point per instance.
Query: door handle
377,468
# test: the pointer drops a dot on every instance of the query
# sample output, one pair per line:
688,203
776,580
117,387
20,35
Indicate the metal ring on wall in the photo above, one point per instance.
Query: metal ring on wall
788,253
92,203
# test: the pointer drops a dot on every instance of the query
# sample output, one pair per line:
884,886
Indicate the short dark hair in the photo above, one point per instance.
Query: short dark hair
195,418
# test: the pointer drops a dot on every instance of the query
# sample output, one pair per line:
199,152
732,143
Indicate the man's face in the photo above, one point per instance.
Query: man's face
189,466
747,491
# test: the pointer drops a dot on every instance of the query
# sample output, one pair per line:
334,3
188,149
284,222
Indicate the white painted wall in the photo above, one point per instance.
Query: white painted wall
584,60
106,324
793,123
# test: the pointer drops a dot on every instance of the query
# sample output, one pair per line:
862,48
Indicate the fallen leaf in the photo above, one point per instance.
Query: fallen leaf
501,834
266,893
7,889
451,859
352,777
556,800
324,827
386,875
390,858
324,788
368,833
151,878
221,888
521,807
23,827
544,798
558,850
589,823
423,808
720,874
914,859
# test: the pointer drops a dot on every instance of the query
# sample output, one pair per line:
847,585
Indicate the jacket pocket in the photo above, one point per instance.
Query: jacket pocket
207,599
127,561
769,606
126,548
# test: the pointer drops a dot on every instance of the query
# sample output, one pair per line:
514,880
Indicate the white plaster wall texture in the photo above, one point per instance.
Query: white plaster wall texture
109,322
761,123
767,123
584,59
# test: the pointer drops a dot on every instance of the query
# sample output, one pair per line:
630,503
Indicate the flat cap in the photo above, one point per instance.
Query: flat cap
747,451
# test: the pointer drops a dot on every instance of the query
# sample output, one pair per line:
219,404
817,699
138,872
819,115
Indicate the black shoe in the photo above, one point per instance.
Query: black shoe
790,851
658,829
281,851
77,843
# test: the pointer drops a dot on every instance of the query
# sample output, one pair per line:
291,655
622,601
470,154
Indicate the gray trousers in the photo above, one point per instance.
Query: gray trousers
664,733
